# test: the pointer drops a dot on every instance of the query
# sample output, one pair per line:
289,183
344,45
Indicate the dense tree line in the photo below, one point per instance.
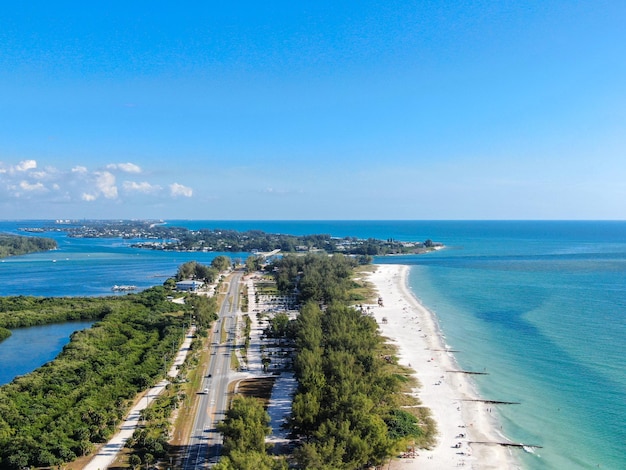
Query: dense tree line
347,406
225,240
317,278
150,441
11,245
347,412
195,270
23,311
59,411
4,334
233,241
203,272
203,308
244,429
179,238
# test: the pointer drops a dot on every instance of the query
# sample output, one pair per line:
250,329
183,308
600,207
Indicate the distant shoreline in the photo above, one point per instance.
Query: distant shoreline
161,236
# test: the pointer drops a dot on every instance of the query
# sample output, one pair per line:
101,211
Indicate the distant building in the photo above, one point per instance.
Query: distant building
189,285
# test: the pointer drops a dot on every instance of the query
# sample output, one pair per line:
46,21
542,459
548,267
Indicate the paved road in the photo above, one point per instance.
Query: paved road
205,442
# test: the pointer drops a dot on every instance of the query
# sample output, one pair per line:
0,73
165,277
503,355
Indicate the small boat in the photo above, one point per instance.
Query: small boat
117,288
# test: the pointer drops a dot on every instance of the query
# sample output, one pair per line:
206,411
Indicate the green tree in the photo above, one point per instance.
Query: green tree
245,426
134,461
204,308
206,273
186,270
279,326
221,263
250,460
254,263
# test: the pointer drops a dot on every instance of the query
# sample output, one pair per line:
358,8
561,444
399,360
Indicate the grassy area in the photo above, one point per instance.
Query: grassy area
245,301
223,333
260,388
234,362
405,399
363,292
266,287
246,333
221,291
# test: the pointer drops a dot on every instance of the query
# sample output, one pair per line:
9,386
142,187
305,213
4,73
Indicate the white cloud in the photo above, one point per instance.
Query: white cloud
126,167
105,182
280,192
26,186
21,167
180,190
40,175
31,180
26,165
143,187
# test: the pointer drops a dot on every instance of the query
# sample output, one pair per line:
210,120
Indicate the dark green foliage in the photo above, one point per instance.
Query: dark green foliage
318,278
21,311
221,263
203,308
250,460
62,409
12,245
402,424
4,334
151,438
244,429
255,263
279,326
345,406
195,270
220,240
343,392
245,426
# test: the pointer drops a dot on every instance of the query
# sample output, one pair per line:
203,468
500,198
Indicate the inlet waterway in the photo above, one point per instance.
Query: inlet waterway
29,348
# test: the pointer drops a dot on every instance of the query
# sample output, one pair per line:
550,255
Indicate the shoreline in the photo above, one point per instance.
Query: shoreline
415,331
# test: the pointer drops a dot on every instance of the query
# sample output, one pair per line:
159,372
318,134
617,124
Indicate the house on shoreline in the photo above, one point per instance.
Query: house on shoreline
189,285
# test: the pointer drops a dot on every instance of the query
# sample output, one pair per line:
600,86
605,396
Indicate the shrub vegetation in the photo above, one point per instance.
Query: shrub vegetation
61,410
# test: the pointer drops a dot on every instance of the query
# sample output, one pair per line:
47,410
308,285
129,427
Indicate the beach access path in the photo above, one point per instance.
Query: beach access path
421,346
107,453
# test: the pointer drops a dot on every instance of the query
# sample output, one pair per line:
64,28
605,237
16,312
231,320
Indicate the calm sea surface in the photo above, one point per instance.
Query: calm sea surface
540,305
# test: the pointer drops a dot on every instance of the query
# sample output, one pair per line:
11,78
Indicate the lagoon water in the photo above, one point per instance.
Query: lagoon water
541,306
29,348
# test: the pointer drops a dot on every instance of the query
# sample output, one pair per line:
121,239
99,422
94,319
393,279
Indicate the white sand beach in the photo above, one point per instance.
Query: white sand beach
414,330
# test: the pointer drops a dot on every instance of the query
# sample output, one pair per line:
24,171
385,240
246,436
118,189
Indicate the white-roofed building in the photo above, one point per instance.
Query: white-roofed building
189,285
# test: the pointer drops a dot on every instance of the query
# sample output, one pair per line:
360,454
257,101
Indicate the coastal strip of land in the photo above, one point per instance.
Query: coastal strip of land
109,452
462,417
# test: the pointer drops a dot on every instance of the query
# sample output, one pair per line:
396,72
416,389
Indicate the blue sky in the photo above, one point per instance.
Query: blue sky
313,110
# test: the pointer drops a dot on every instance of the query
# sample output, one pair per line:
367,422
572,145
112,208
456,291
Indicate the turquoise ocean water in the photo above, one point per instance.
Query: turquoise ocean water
540,305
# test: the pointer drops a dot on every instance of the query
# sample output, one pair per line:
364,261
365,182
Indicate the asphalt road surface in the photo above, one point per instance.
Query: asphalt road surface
205,442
